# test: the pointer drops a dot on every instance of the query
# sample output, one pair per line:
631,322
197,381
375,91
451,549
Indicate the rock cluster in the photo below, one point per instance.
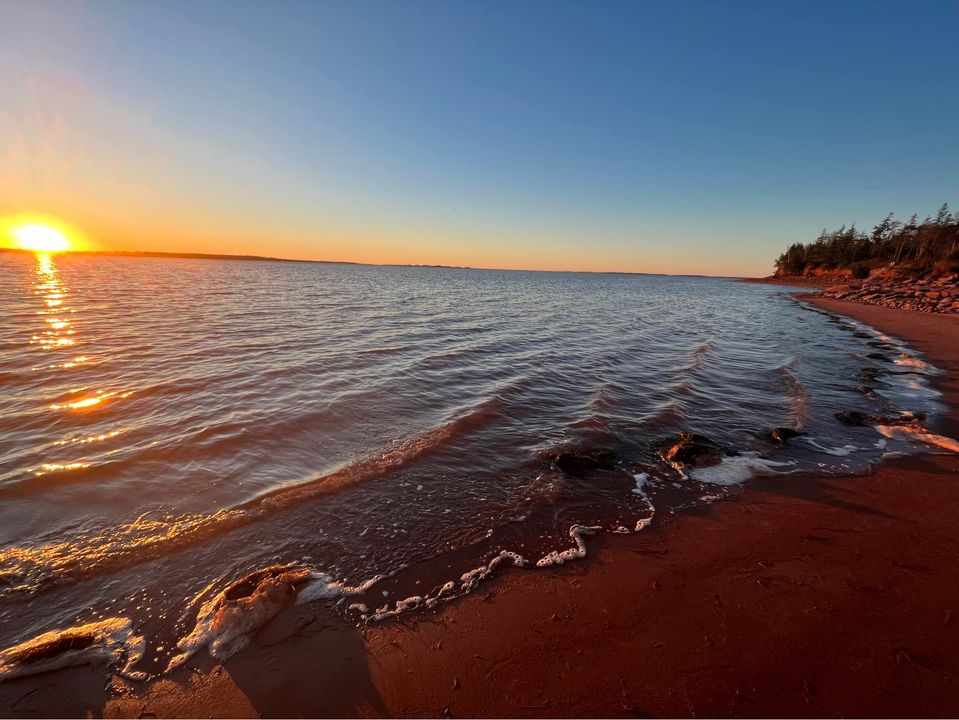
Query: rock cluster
939,295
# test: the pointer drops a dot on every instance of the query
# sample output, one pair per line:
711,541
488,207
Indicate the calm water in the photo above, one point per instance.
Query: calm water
168,426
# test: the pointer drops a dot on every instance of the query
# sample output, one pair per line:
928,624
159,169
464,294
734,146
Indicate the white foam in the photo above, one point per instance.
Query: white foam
640,489
468,582
472,578
322,586
736,469
225,624
557,557
642,480
840,451
110,641
447,589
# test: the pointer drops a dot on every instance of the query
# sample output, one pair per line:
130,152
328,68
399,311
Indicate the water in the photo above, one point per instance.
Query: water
169,426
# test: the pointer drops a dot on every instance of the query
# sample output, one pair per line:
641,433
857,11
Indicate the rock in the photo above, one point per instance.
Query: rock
860,419
578,461
838,290
691,450
782,434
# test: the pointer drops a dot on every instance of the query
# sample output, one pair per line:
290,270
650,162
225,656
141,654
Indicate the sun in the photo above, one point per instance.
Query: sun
40,237
39,234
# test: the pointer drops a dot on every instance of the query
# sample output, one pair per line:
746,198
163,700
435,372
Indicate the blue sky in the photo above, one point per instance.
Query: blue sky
676,137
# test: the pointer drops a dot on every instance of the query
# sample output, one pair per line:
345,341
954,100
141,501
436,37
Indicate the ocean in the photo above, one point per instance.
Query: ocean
186,446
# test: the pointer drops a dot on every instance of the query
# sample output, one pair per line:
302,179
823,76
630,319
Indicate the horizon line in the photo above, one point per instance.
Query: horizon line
267,258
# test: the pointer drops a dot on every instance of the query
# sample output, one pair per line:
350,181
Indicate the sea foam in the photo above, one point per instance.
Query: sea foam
737,469
111,642
226,622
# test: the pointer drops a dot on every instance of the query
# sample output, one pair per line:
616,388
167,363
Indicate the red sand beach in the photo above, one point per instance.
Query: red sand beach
812,597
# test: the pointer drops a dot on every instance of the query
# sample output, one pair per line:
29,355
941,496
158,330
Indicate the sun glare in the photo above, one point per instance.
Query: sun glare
40,237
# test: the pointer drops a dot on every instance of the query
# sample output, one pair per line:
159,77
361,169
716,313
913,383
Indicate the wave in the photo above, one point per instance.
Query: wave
111,641
26,569
378,464
226,622
795,392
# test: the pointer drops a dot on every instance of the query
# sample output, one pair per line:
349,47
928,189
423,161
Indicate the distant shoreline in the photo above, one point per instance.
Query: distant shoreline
265,258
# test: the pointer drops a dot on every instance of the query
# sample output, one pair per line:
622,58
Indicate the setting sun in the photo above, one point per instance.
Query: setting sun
40,237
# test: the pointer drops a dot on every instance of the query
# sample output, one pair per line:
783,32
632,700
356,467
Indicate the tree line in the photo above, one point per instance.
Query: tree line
910,246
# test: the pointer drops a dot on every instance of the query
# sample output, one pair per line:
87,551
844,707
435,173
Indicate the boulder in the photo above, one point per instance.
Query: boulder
691,450
575,461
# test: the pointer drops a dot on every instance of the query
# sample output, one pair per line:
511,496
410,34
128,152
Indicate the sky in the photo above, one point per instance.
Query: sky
676,137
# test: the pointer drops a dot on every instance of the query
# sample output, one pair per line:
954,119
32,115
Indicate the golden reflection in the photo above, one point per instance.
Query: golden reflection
54,294
60,467
88,439
57,335
90,401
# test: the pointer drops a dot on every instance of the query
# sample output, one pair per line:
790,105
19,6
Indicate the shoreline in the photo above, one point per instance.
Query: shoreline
814,596
935,294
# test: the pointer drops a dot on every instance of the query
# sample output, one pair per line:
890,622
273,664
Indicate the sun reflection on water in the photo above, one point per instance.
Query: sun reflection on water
51,290
98,397
57,333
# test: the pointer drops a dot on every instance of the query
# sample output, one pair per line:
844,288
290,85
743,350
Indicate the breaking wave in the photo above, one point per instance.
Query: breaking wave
26,569
110,642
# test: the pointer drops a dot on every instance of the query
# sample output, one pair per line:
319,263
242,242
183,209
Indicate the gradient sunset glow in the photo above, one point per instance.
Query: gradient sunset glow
536,136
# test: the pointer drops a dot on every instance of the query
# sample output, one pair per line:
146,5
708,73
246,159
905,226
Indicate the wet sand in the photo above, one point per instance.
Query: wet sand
808,597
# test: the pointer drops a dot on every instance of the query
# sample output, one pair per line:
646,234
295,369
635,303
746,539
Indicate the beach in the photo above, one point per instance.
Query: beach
379,360
832,596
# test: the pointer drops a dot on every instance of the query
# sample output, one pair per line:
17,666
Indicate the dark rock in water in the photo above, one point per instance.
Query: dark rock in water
578,462
869,374
782,434
856,418
862,335
860,419
878,356
691,450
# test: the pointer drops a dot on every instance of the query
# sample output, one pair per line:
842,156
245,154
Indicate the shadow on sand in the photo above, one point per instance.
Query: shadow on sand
306,662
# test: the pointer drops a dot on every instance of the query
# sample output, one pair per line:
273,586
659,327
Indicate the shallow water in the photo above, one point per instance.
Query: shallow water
169,426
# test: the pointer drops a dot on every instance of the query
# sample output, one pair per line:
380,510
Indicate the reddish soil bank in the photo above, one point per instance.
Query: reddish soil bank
802,597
